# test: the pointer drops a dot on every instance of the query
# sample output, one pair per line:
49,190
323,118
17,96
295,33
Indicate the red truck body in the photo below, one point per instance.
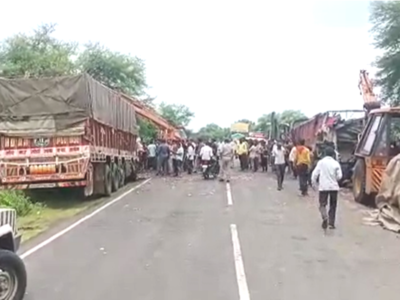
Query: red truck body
309,129
65,132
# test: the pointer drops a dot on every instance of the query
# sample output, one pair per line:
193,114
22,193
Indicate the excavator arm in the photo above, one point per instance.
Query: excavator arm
366,88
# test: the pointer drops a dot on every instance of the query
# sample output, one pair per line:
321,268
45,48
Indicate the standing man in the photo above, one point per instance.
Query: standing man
280,164
327,173
206,153
151,158
226,153
303,162
177,159
243,154
164,154
190,157
292,156
264,156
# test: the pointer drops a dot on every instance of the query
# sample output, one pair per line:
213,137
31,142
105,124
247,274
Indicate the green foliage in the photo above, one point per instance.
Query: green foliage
385,18
285,117
116,70
213,131
18,201
38,55
147,131
41,55
177,114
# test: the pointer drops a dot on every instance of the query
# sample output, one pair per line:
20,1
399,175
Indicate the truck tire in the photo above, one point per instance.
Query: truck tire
359,182
13,278
133,173
122,177
115,177
107,181
88,190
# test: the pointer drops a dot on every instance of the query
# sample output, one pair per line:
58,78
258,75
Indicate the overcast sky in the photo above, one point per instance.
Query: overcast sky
224,59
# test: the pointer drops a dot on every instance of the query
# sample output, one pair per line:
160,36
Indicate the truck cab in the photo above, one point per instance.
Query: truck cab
378,144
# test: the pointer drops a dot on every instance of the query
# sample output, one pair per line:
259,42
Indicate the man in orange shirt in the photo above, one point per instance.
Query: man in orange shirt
302,162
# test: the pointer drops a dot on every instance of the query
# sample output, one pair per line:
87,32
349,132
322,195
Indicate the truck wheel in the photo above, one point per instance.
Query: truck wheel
13,277
89,188
107,180
115,177
359,181
133,175
121,170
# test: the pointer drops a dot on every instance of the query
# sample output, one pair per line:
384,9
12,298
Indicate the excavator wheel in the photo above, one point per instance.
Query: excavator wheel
359,182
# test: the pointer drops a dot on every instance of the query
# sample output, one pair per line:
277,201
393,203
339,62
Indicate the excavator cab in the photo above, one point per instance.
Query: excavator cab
378,144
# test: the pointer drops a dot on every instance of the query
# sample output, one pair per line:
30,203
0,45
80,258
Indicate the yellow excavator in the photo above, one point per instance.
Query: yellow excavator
378,143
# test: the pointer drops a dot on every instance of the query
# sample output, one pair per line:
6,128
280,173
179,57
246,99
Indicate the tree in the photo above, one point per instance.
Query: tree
263,123
385,18
36,55
116,70
41,55
213,131
289,116
177,114
286,117
147,131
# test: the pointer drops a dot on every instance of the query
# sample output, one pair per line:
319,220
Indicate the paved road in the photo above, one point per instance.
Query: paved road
174,239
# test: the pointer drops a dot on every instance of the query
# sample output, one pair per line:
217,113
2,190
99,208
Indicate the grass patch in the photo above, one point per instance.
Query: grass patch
52,207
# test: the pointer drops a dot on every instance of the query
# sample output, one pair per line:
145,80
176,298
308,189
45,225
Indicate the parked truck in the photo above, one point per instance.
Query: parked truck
333,127
65,132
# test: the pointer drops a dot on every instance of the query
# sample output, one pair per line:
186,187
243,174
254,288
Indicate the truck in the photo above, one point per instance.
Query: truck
337,128
66,132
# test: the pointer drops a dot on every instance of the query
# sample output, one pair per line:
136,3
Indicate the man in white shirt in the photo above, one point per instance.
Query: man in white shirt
151,158
190,156
206,153
280,164
327,172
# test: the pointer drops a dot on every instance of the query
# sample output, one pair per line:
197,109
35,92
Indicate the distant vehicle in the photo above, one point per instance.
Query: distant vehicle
66,132
13,277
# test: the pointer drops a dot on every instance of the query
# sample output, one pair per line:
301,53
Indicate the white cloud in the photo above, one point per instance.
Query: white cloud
225,59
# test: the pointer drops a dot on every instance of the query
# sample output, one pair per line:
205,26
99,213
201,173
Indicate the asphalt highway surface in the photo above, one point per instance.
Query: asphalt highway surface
188,238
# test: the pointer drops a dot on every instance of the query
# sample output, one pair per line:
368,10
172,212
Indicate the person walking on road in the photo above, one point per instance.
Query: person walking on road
327,173
279,164
302,162
225,153
151,158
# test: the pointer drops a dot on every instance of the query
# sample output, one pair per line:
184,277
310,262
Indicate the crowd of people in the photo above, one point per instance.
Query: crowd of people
311,168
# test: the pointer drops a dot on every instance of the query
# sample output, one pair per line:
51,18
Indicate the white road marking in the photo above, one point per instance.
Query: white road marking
80,221
240,275
229,193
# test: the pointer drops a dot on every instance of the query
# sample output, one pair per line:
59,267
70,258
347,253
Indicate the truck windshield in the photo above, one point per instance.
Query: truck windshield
394,135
